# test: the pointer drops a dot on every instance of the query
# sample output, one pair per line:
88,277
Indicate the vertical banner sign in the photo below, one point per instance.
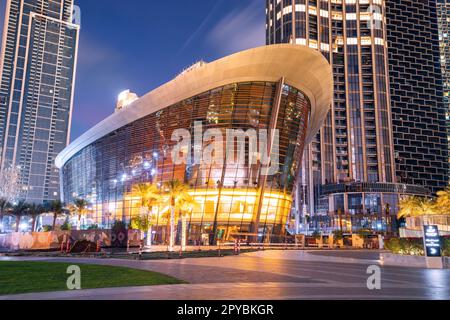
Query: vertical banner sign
432,241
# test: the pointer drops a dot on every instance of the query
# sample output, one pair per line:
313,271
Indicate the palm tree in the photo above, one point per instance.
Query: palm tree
18,211
443,202
416,207
186,205
149,194
4,206
80,209
143,224
35,210
175,190
57,208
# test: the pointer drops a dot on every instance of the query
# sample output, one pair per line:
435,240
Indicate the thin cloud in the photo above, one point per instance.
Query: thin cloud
201,26
92,53
243,28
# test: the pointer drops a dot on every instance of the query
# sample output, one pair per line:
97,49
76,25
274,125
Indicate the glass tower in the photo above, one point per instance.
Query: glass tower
418,111
348,175
37,68
443,7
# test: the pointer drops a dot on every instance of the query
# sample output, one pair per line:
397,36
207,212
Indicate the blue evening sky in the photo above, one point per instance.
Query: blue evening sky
141,44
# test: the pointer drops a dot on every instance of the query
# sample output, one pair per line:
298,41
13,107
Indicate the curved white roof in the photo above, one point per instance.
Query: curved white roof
303,68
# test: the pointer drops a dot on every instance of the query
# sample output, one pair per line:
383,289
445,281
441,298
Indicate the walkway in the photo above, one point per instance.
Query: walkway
269,275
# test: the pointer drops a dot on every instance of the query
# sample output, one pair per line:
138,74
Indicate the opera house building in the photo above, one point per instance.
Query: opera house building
281,91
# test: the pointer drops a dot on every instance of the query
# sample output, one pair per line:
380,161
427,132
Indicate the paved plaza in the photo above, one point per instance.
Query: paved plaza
268,275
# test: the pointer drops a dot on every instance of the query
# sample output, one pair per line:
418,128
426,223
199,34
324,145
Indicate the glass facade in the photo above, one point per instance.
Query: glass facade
418,108
230,199
443,10
355,145
36,92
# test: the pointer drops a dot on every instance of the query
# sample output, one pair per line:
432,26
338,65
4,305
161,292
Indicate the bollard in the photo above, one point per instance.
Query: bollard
128,246
235,247
140,252
239,246
99,246
180,255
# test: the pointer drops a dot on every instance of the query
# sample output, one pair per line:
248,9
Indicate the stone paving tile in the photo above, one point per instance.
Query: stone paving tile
247,277
245,291
363,254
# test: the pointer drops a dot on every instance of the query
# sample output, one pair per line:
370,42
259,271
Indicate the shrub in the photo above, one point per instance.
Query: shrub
405,246
66,226
338,235
47,228
316,235
414,246
364,233
446,246
393,245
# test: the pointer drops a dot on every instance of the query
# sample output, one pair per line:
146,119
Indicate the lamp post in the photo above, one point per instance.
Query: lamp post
151,216
388,213
108,217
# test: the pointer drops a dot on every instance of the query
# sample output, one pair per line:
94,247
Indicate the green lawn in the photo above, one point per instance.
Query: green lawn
27,277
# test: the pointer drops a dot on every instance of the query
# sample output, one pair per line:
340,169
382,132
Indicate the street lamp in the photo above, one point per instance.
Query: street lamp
388,214
340,220
108,216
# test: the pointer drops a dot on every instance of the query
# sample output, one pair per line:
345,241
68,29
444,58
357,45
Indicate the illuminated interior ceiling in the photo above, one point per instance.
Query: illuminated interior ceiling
236,206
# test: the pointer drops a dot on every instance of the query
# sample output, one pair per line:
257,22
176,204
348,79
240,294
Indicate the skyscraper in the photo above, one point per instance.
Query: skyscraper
418,111
443,7
349,171
37,74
